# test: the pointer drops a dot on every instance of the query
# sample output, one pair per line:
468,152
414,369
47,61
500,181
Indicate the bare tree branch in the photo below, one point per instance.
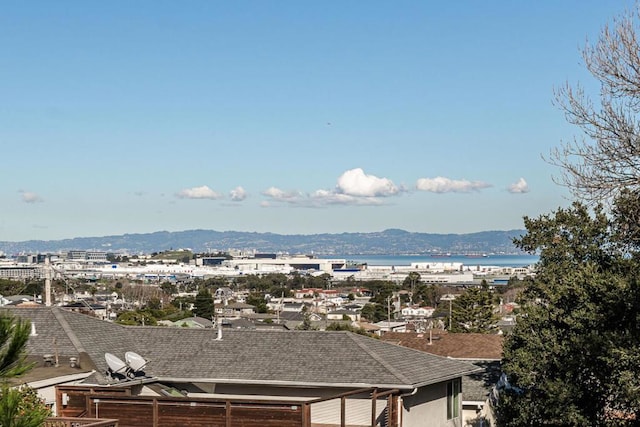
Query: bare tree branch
605,159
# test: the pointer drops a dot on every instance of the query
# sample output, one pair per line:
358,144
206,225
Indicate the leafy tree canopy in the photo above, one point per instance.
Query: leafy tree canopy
19,407
473,311
203,305
573,357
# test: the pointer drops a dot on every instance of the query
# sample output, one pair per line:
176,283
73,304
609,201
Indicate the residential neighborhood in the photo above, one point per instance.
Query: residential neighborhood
305,349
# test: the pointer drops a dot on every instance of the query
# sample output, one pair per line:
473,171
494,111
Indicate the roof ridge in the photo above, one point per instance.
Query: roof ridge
68,330
357,339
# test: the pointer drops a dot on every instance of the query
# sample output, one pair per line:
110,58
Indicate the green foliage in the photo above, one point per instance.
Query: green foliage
169,288
626,220
183,303
14,333
180,255
13,287
203,304
426,294
374,312
258,301
19,407
137,318
412,279
574,351
473,311
306,323
154,304
22,407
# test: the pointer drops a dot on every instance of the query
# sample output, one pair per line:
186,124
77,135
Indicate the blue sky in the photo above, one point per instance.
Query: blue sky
284,116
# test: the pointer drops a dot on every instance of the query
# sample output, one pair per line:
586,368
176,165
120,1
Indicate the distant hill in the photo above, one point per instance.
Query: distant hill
387,242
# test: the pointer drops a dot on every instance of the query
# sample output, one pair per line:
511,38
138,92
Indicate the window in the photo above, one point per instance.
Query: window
453,398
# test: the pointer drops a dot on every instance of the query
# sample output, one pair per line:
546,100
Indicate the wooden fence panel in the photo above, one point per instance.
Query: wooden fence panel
171,414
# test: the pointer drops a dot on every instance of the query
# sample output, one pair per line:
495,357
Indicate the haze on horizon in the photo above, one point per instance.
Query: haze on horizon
286,117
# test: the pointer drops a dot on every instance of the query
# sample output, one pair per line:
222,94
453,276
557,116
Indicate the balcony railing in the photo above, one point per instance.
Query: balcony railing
80,422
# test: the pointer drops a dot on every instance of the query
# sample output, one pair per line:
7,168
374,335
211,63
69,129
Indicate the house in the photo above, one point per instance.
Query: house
223,294
235,309
243,377
341,314
293,320
85,307
385,326
483,350
417,312
307,292
295,307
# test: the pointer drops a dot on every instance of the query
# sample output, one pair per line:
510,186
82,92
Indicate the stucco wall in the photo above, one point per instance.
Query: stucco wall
428,407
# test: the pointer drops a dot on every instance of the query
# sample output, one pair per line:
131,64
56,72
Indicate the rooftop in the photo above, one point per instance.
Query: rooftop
242,356
456,345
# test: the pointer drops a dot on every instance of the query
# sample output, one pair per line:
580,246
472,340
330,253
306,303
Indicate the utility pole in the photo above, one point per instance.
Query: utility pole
450,298
47,282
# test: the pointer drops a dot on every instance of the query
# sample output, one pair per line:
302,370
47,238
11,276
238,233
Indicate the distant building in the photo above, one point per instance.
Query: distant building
20,271
87,256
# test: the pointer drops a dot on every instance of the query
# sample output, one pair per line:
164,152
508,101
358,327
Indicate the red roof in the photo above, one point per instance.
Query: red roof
458,346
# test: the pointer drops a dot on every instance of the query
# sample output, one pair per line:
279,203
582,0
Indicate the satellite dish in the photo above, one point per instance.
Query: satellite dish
115,364
135,361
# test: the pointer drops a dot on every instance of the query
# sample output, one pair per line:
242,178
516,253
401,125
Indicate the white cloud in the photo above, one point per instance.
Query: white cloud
283,196
202,192
325,197
353,187
356,183
238,194
441,184
519,187
30,197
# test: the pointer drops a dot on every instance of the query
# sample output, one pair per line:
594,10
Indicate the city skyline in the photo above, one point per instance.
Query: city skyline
285,117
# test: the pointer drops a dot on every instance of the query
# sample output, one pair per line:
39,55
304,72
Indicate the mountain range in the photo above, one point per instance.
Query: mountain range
387,242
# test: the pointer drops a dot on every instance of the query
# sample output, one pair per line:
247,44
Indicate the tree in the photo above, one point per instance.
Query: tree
137,318
154,304
473,311
14,334
606,159
22,407
412,279
203,305
18,407
427,294
169,288
306,321
258,301
572,358
374,312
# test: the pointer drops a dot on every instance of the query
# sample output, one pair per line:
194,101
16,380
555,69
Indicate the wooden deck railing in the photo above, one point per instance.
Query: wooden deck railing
79,422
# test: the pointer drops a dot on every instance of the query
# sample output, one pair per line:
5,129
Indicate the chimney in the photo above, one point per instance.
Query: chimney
219,324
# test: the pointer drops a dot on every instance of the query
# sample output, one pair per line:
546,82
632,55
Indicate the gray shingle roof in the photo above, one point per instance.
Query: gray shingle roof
477,386
290,357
